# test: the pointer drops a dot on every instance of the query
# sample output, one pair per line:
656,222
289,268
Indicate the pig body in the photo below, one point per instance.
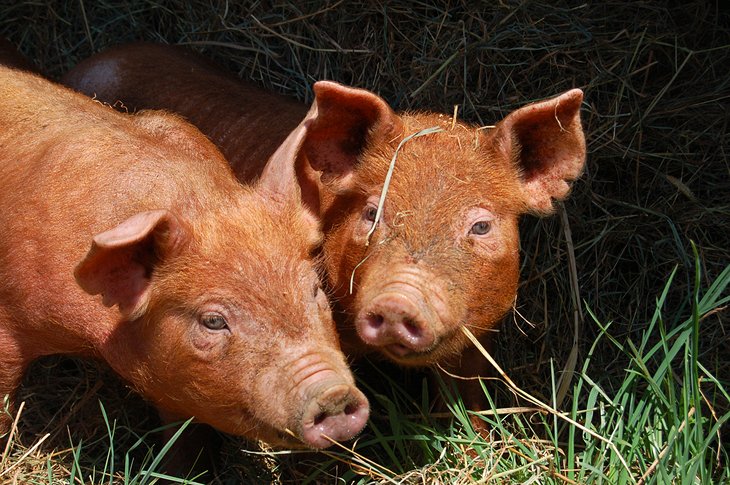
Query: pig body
210,305
445,250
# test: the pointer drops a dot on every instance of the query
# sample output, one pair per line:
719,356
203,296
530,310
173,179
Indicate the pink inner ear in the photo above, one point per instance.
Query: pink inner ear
118,274
333,150
548,141
279,177
287,178
125,282
346,118
120,261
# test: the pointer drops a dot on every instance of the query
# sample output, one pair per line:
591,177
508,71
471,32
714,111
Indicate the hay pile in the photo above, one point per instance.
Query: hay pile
657,90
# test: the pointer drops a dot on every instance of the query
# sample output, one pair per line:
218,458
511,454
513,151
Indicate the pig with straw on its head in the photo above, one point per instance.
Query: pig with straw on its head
444,253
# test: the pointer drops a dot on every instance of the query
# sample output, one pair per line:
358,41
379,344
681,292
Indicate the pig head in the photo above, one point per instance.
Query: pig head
445,249
128,238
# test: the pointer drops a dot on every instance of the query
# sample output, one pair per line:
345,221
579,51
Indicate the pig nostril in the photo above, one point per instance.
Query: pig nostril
319,419
412,327
376,320
338,413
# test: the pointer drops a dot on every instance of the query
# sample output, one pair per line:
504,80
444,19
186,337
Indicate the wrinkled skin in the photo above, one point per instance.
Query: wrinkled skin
127,238
444,254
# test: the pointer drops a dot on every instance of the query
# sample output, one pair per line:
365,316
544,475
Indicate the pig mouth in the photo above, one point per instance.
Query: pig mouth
445,346
403,355
399,350
277,437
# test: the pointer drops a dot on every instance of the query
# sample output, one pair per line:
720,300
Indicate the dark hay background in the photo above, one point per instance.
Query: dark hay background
657,81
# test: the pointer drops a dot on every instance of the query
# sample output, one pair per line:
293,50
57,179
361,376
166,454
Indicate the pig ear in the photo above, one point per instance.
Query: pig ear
546,141
285,178
346,119
120,262
331,136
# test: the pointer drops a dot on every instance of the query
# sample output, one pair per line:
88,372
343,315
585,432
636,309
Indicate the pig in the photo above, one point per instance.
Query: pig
128,239
444,253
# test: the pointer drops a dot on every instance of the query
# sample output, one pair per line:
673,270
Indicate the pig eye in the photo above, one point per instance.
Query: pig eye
480,228
369,213
213,321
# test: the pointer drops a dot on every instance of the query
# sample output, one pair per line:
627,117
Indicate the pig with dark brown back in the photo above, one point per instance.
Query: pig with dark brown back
445,251
128,238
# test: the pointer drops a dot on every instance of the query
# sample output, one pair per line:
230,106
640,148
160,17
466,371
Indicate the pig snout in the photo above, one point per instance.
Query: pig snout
333,408
339,413
398,320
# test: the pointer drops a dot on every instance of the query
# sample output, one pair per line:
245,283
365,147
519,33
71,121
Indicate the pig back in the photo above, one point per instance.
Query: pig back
246,123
